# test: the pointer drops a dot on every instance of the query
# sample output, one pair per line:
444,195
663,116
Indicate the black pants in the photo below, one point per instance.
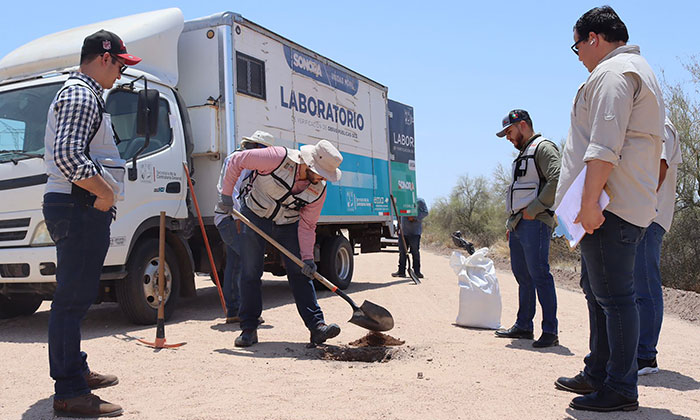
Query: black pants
413,244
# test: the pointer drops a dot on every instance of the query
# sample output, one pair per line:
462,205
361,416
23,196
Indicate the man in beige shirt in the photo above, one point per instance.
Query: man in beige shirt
647,273
616,133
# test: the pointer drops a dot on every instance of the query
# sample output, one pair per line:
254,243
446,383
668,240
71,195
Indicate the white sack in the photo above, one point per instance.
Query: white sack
479,295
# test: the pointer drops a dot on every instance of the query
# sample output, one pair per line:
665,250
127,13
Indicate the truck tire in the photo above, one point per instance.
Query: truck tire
19,305
337,261
137,294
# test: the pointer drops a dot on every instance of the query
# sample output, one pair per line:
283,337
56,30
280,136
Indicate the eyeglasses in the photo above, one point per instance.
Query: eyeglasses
123,67
574,47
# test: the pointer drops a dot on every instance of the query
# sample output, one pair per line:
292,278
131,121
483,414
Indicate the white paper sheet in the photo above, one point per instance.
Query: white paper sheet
571,205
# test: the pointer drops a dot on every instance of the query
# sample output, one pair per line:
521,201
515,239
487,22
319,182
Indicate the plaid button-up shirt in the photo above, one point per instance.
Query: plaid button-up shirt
78,117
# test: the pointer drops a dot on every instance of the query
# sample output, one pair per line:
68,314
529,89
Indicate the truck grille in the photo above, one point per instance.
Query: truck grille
18,224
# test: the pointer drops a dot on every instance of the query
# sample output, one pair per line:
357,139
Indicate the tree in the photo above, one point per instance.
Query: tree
681,246
475,207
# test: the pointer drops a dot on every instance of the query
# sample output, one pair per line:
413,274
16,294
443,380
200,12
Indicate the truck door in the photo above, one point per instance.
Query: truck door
160,183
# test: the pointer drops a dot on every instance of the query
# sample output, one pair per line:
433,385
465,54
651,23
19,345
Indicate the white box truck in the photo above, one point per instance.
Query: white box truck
219,78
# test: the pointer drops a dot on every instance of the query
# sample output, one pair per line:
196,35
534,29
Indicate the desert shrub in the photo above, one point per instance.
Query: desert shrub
680,251
475,206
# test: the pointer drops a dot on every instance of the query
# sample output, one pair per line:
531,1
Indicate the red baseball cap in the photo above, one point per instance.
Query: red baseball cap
104,41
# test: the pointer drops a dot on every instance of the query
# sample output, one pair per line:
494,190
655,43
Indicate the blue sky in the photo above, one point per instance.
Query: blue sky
461,65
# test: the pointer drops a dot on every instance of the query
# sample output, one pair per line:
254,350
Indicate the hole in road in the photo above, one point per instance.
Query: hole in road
373,347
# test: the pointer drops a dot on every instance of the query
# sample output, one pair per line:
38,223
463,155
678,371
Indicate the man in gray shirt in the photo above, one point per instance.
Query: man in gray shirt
412,228
616,133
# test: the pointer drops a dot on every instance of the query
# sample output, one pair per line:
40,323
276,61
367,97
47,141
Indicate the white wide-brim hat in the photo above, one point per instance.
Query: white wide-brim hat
260,137
323,158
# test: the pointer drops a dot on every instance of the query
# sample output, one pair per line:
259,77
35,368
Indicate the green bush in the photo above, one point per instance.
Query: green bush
680,251
475,206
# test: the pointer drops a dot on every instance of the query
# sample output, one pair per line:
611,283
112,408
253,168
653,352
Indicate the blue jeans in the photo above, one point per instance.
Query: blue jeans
529,260
413,243
647,286
232,272
81,235
607,279
253,256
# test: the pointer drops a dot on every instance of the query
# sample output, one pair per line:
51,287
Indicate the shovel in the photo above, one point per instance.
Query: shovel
369,316
411,273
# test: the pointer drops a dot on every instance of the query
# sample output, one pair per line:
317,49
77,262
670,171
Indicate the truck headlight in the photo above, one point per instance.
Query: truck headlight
41,236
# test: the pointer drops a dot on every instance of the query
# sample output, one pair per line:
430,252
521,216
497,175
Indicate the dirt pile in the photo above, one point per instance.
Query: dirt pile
373,347
376,339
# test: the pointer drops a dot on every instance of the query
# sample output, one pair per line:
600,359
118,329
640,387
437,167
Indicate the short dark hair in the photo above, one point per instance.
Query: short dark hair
86,58
603,21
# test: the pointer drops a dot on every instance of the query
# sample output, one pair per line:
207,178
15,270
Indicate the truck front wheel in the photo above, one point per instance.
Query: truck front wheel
137,294
337,261
18,305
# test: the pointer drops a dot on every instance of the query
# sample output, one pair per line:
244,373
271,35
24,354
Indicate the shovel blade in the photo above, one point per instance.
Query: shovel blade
413,276
372,317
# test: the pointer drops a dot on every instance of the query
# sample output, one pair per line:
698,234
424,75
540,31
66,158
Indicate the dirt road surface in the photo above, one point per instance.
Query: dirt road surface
442,372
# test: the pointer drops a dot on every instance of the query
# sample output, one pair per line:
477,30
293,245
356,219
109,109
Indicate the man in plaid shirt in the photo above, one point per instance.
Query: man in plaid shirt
78,210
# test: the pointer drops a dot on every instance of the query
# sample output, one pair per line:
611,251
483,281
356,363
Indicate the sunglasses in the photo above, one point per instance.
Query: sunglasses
574,47
123,67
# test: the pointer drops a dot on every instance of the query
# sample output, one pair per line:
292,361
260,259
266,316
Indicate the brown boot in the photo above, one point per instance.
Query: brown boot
97,381
86,405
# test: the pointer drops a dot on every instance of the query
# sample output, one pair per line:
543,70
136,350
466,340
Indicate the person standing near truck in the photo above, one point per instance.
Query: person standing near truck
78,210
411,229
284,197
529,227
647,271
229,226
616,133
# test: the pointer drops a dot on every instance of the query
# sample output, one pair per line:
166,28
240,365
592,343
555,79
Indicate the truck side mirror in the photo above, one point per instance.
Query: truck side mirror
147,112
146,122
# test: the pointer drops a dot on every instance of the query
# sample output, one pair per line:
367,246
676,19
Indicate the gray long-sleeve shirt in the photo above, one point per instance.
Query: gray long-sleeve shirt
415,227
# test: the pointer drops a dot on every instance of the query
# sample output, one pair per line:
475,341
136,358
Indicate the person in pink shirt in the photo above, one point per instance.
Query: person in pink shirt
283,197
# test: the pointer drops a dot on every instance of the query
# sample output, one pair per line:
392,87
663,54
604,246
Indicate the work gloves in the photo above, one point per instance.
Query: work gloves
309,268
226,203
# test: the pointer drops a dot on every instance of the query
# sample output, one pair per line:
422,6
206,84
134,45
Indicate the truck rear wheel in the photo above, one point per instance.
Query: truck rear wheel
137,294
19,305
337,261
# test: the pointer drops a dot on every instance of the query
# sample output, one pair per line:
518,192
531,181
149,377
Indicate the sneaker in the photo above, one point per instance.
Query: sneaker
647,366
515,332
399,274
97,381
247,338
419,275
323,332
578,384
605,400
87,405
546,340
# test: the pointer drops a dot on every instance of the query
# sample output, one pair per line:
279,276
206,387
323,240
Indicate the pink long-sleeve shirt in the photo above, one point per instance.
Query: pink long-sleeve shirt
265,161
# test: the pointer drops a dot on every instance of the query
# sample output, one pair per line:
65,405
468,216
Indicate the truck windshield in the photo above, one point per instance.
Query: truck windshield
23,121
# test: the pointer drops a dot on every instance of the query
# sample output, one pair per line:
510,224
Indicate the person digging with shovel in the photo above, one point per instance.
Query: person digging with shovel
283,197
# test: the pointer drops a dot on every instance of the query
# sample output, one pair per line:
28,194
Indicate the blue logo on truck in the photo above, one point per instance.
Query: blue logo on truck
309,66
